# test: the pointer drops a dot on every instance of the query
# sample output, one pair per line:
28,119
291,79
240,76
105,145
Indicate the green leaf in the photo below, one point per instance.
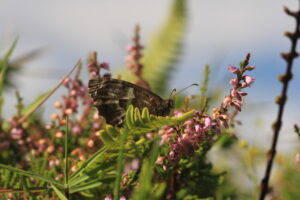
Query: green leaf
33,104
86,186
89,162
40,101
106,137
21,190
155,122
59,193
120,164
66,155
31,175
164,48
3,72
146,189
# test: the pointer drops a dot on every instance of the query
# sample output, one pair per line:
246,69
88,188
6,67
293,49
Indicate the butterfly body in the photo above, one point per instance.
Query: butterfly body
112,97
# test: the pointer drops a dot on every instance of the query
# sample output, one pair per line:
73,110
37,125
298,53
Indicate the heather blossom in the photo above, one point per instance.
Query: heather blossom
187,138
133,59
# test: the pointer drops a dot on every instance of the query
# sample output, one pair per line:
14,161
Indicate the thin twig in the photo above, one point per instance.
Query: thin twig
281,100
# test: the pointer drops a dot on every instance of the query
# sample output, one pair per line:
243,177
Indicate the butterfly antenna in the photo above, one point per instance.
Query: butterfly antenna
172,93
174,90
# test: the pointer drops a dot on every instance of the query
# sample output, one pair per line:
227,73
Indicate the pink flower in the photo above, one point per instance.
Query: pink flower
250,68
129,48
109,197
249,80
76,129
237,105
96,125
234,81
135,164
73,93
104,65
233,69
160,160
17,133
198,128
207,122
66,82
171,155
188,122
177,113
227,100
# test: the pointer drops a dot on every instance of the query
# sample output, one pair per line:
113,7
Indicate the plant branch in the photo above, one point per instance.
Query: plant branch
281,100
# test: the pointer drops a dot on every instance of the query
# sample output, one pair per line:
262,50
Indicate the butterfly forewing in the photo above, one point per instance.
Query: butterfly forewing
113,96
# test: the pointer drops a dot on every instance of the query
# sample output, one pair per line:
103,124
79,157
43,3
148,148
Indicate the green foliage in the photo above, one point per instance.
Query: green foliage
4,63
138,124
204,88
147,188
289,181
164,48
195,168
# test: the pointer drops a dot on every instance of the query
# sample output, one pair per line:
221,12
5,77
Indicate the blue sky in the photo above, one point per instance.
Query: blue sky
219,33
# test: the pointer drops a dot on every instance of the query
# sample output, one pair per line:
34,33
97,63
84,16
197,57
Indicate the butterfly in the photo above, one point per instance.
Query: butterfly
112,97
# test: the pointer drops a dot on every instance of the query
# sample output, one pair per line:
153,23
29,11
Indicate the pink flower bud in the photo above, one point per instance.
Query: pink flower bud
109,197
54,116
160,160
198,128
104,65
50,149
171,155
57,104
250,68
170,130
59,134
66,82
73,93
68,111
122,198
91,65
227,101
96,116
76,129
237,105
129,48
96,125
135,164
249,80
177,113
234,81
73,168
207,122
94,74
90,143
17,133
233,69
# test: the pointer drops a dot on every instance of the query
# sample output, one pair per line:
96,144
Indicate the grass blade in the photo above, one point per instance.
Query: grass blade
120,164
90,161
42,100
59,193
35,189
31,175
66,163
86,186
3,72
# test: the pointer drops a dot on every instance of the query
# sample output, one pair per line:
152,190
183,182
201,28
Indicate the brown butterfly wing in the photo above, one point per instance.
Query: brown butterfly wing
112,97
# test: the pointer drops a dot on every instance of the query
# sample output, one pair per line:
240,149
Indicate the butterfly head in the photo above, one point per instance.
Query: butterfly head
165,107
